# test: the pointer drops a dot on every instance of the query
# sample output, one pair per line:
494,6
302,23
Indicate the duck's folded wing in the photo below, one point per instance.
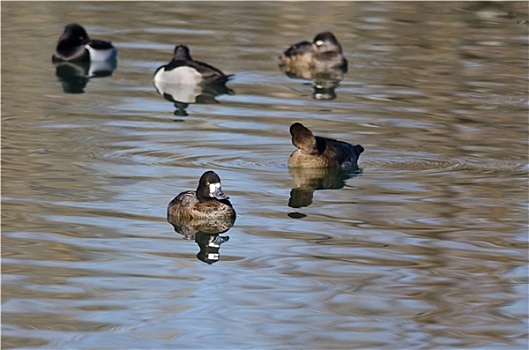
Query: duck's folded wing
298,49
209,73
100,44
342,151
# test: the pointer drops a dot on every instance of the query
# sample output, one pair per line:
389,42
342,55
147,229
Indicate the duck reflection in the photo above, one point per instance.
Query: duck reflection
206,234
324,82
308,180
74,76
182,95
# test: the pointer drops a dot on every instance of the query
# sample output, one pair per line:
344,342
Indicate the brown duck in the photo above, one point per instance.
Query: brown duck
320,152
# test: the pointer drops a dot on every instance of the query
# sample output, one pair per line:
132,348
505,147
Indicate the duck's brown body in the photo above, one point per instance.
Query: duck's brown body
207,202
320,152
325,52
187,206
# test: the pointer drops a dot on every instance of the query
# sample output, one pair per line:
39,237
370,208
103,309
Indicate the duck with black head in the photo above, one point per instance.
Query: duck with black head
76,46
207,202
321,152
185,81
182,69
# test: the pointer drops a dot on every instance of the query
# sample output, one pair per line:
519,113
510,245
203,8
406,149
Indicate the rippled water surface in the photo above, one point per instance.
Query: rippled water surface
424,247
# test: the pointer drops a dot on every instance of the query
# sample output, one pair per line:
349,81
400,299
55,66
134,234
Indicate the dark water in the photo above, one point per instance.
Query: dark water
425,247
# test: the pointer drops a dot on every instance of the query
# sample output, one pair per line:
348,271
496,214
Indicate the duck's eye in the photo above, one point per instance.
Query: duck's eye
319,42
207,183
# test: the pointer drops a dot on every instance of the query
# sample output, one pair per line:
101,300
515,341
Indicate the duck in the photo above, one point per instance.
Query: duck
325,52
75,45
207,202
184,70
320,152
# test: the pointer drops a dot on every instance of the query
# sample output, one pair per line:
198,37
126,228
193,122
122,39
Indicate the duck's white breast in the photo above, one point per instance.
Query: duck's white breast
102,55
181,75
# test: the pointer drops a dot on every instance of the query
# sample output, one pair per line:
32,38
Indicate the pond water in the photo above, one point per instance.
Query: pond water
424,247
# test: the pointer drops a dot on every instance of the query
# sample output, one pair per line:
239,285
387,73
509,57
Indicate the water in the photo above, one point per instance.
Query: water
424,247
